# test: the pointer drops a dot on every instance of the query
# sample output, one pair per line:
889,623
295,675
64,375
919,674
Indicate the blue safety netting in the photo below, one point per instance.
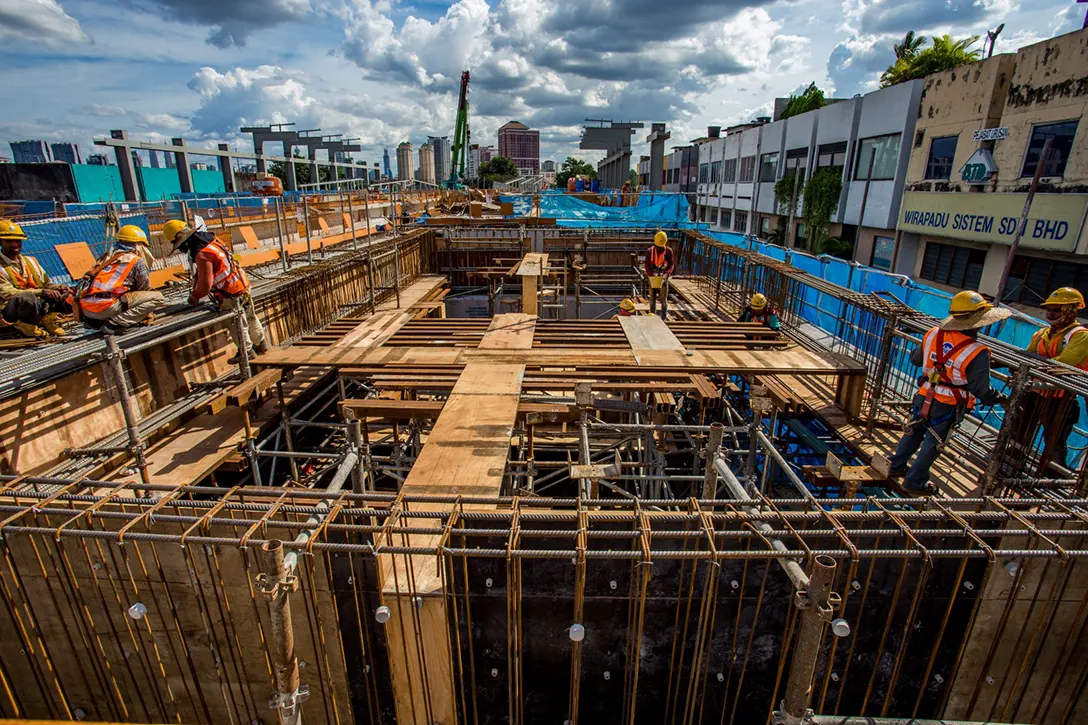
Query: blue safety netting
44,236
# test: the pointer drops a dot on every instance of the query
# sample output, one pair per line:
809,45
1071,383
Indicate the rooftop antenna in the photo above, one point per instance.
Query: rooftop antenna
991,35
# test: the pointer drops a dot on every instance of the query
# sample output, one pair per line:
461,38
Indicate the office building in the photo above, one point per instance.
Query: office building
30,152
385,164
426,163
137,160
98,160
404,161
66,152
442,156
548,165
520,144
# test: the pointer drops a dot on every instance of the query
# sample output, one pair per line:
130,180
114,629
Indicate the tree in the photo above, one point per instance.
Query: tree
632,179
810,99
914,61
499,168
820,202
302,170
573,167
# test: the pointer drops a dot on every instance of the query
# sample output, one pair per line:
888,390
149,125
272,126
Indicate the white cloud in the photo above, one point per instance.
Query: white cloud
38,21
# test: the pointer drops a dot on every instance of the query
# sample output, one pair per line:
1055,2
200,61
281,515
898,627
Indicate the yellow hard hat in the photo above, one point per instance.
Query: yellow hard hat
758,301
11,230
172,228
1065,296
132,234
966,303
661,239
627,304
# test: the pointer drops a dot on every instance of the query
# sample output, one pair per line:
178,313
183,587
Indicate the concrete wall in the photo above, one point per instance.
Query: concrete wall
37,182
98,183
157,184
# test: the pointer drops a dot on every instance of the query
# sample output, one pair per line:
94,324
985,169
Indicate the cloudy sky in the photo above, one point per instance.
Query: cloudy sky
387,70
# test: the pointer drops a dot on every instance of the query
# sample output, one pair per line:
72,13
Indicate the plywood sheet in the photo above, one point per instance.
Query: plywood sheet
375,330
649,332
533,265
512,331
250,237
77,257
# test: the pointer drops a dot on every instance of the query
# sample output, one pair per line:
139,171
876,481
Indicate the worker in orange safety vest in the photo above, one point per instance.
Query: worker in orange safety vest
658,267
218,274
29,301
117,293
955,373
1066,341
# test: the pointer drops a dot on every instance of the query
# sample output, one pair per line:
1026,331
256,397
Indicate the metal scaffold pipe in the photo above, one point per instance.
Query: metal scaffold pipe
817,604
343,471
117,367
276,583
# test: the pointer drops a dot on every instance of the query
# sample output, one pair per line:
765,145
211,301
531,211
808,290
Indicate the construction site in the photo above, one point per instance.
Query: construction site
459,489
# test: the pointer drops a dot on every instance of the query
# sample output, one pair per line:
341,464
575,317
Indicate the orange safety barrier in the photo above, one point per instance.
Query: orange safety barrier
161,277
256,259
323,225
250,237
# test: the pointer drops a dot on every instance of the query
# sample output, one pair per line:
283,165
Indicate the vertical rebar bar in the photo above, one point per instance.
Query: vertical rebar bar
351,218
279,233
288,436
306,228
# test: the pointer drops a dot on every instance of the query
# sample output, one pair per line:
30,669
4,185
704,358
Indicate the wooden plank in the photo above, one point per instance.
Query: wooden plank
425,409
649,332
512,331
532,265
256,386
77,257
375,330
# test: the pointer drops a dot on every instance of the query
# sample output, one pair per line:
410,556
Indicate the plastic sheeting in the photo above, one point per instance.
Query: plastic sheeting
666,210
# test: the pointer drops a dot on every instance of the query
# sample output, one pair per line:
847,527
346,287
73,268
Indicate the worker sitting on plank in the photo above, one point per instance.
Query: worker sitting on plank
627,308
31,303
758,310
219,274
956,372
658,266
1066,341
117,292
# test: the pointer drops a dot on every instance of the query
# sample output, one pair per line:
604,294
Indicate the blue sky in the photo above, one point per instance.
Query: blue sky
387,71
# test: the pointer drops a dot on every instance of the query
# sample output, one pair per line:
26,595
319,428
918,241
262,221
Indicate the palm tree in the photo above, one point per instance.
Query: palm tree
943,53
910,45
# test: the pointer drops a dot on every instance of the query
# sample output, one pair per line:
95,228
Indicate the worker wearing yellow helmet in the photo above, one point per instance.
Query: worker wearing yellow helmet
761,311
658,266
1066,341
627,308
31,302
218,274
116,294
955,374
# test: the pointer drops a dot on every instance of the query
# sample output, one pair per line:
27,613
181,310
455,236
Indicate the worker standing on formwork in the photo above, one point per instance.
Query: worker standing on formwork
956,373
31,303
758,310
219,274
1066,341
658,266
117,292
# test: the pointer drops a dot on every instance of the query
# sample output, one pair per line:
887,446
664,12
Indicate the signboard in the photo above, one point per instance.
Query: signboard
991,134
979,168
1054,221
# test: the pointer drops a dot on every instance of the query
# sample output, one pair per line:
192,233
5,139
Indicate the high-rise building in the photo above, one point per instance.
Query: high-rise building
154,155
30,152
404,161
426,163
442,156
520,144
486,153
548,165
66,152
472,163
171,160
98,160
385,164
136,160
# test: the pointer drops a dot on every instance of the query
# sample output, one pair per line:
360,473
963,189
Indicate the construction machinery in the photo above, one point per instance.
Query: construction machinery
460,138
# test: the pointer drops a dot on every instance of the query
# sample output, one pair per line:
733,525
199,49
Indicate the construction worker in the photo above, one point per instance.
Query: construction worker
1066,341
218,274
658,266
31,303
627,308
117,293
759,311
956,373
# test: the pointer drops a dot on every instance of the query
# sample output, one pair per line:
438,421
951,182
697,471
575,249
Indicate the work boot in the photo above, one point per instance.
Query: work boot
51,325
147,320
261,349
29,330
237,357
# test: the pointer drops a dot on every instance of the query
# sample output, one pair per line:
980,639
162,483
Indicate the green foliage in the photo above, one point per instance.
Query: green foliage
778,235
573,167
784,191
632,179
809,100
499,168
915,61
821,200
302,170
838,247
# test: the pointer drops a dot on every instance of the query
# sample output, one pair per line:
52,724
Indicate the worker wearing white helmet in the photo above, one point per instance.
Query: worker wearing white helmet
117,293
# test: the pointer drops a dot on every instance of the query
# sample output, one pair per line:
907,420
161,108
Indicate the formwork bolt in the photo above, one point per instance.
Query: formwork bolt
612,585
607,675
721,677
840,627
382,614
968,586
418,602
137,610
494,671
1012,567
489,582
938,679
577,633
989,680
735,584
834,676
855,585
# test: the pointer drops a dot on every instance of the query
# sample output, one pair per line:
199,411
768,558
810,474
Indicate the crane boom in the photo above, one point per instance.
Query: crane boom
460,136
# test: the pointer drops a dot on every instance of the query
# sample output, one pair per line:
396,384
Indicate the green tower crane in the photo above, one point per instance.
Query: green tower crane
459,150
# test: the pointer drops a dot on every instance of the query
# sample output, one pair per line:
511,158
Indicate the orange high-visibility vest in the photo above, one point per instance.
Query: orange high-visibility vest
947,353
228,279
1054,346
32,276
109,283
657,257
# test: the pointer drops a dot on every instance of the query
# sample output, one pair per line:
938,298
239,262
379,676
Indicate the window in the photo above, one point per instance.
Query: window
768,167
831,156
704,173
729,171
801,239
958,267
764,226
1060,146
740,220
702,213
882,153
715,172
727,219
1031,279
747,169
941,152
714,217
